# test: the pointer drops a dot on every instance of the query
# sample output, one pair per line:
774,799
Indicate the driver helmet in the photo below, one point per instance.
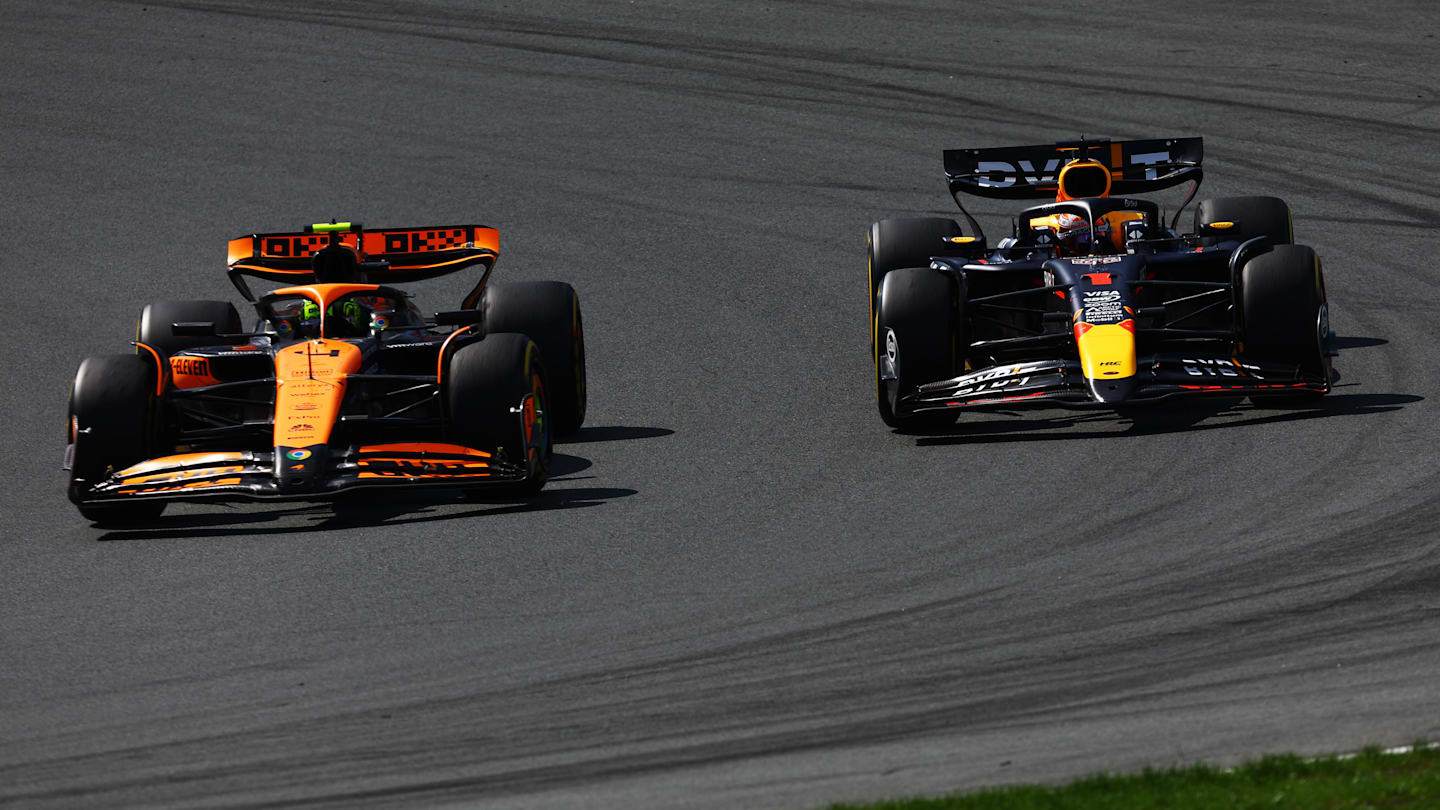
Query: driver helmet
309,319
355,312
352,311
1072,235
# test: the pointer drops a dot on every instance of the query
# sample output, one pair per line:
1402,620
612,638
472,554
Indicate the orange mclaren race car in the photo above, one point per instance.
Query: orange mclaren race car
341,384
1094,299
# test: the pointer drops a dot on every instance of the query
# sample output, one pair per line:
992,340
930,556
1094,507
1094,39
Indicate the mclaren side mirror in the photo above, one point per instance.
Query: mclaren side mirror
459,317
193,329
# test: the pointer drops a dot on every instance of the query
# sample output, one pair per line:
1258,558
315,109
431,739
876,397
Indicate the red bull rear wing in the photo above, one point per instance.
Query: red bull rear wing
1031,172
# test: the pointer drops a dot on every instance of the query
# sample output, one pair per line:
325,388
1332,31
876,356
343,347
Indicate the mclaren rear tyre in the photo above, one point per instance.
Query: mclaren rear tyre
1238,219
110,427
155,321
1285,312
549,312
496,401
895,243
919,327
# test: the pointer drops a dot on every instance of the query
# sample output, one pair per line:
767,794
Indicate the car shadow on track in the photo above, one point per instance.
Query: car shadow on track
1358,342
1157,419
613,433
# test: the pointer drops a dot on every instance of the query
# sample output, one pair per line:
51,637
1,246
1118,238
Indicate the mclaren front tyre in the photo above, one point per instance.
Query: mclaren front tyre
110,427
549,313
497,400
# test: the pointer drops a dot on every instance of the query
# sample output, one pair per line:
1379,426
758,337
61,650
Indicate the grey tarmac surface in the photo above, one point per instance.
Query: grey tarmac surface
743,591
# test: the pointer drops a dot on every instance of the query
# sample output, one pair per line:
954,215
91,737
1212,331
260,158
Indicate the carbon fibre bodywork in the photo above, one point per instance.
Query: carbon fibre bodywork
270,421
342,385
1167,322
1148,314
302,473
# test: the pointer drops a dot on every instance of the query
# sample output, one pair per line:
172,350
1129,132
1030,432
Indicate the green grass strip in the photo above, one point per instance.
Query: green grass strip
1369,780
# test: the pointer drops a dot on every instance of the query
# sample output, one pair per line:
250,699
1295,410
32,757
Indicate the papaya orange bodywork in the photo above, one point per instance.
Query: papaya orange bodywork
237,249
440,359
271,270
474,463
195,473
424,447
184,485
309,387
159,366
181,460
191,372
369,243
407,474
182,475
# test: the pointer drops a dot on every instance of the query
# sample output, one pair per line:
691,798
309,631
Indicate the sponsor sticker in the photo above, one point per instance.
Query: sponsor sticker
996,378
1102,306
1202,367
190,366
298,455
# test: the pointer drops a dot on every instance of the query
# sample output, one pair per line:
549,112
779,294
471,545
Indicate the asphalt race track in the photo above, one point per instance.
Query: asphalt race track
742,591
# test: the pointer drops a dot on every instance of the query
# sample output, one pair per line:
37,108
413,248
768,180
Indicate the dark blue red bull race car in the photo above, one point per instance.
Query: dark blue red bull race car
1095,298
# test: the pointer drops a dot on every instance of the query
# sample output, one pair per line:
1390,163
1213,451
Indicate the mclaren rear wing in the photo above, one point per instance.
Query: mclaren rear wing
390,256
1031,172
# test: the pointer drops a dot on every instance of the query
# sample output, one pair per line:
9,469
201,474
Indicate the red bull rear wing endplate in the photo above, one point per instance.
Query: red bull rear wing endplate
310,473
1062,383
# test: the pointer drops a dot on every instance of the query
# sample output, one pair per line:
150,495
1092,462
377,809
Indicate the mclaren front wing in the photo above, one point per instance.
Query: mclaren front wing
302,473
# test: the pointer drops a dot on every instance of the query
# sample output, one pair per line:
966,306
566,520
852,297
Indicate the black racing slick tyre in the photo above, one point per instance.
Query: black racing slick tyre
918,323
487,407
895,243
155,321
1286,317
549,312
110,427
1249,217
